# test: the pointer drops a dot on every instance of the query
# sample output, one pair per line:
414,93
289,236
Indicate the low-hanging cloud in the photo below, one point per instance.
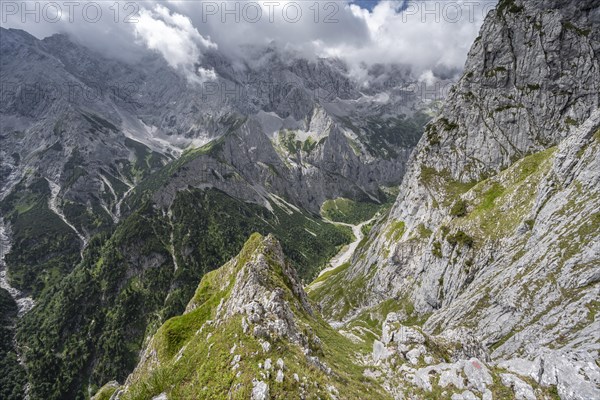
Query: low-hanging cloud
430,37
176,39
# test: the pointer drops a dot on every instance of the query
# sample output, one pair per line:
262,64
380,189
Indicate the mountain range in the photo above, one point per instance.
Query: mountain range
284,230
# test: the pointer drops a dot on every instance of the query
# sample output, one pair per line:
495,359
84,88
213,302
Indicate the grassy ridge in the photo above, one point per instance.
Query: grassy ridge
196,358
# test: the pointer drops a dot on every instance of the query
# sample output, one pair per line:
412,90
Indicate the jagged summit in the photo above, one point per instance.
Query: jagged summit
263,288
248,332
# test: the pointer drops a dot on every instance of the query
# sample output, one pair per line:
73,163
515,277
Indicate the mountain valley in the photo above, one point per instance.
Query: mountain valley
285,231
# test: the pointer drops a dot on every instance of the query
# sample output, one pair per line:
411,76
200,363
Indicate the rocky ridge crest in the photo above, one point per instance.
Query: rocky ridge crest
249,331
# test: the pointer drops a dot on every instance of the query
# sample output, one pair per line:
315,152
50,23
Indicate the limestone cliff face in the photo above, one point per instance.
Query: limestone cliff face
531,75
496,226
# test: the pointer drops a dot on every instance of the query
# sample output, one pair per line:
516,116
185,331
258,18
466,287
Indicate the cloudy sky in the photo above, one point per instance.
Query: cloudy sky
427,35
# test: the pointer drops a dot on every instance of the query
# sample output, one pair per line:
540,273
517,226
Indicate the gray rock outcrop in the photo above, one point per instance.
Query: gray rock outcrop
499,208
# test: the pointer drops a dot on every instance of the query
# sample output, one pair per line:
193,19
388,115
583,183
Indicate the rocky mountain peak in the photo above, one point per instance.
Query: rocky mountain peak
518,93
250,331
265,291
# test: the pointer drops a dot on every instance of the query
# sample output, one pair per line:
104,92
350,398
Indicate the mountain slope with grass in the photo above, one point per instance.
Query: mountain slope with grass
148,268
495,230
249,331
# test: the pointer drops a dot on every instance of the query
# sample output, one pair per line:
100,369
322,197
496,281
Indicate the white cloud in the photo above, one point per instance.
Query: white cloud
175,38
418,37
427,77
206,75
426,35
